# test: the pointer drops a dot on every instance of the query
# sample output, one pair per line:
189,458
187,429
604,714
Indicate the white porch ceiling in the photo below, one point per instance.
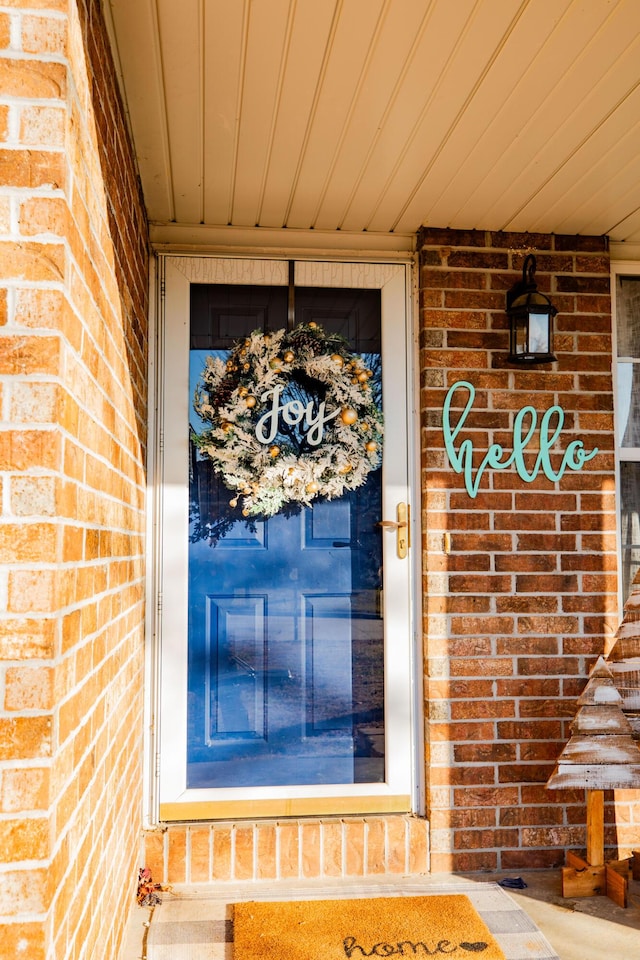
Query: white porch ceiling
383,115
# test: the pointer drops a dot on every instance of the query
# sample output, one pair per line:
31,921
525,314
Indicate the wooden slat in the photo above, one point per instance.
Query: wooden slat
139,55
606,719
584,882
473,52
495,118
617,886
417,88
266,49
224,38
558,122
310,38
573,860
346,58
602,750
595,828
602,129
393,57
179,31
595,776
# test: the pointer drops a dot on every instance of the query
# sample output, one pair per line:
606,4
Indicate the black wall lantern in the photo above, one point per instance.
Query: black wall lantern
531,316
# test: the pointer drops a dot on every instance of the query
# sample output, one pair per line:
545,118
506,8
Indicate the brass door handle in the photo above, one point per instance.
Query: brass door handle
401,526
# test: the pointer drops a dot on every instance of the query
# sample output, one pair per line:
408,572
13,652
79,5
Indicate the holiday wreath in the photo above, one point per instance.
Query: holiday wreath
290,416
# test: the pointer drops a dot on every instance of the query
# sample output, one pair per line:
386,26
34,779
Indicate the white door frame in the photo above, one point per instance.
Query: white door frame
169,798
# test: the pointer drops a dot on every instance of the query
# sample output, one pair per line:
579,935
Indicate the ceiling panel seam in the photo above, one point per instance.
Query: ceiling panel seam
276,108
420,120
166,145
530,120
236,136
354,99
465,106
586,137
391,102
588,170
313,111
201,112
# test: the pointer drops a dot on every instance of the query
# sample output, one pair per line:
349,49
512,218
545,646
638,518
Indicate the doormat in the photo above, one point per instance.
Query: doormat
433,926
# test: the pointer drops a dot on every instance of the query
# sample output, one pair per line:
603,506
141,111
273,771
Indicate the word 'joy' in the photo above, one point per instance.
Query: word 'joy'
293,412
524,427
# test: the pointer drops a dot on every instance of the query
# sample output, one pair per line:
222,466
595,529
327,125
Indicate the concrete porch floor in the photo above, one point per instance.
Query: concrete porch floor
577,929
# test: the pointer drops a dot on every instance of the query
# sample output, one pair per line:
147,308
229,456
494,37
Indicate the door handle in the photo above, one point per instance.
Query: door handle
401,526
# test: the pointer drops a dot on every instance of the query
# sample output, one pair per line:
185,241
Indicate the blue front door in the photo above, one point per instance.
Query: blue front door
285,650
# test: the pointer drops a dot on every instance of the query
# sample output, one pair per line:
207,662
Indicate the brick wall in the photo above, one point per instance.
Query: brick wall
244,851
72,448
520,584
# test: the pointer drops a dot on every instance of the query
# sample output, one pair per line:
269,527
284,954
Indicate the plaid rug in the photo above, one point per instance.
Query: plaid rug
192,926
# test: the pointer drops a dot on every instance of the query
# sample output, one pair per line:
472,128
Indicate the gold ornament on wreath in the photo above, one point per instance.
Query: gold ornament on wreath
291,416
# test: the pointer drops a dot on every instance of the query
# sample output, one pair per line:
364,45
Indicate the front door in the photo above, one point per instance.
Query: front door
285,650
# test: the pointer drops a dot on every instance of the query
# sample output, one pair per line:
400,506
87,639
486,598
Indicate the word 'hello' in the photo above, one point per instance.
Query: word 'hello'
293,412
574,458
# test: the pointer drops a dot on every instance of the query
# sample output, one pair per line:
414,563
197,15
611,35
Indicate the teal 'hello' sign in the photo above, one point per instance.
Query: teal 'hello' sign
524,426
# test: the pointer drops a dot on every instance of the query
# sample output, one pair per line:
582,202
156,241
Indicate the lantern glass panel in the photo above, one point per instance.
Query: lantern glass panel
539,333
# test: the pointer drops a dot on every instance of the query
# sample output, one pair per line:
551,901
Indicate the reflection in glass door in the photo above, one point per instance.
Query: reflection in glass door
285,624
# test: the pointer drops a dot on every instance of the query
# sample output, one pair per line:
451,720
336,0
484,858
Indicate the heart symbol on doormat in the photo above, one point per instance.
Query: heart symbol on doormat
475,947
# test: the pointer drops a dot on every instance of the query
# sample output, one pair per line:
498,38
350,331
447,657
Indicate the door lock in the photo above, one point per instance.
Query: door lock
401,526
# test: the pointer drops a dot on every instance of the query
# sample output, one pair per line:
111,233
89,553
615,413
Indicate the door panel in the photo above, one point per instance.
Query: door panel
276,675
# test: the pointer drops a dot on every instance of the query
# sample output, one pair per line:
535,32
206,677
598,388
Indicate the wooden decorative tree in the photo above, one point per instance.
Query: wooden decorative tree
601,755
624,657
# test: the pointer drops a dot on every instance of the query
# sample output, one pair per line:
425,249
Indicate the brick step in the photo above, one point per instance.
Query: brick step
287,849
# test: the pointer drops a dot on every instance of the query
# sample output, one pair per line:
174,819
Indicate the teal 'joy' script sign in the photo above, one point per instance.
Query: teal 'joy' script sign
461,459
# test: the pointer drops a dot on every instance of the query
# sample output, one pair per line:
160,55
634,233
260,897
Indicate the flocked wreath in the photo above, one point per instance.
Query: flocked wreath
291,416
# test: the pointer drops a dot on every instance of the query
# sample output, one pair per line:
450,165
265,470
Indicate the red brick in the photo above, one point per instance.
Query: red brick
525,773
548,666
526,687
30,168
463,818
529,730
443,236
479,839
462,359
453,279
479,709
514,604
475,626
532,859
525,562
33,79
470,730
477,259
531,816
480,584
482,667
469,646
469,775
484,752
485,797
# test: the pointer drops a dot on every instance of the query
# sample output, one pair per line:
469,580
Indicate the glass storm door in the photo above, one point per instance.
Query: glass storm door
286,654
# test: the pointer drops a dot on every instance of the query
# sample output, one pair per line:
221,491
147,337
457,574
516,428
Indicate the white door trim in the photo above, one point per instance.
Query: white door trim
176,273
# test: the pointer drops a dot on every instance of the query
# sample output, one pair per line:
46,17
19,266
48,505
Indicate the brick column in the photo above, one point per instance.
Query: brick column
520,587
72,379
